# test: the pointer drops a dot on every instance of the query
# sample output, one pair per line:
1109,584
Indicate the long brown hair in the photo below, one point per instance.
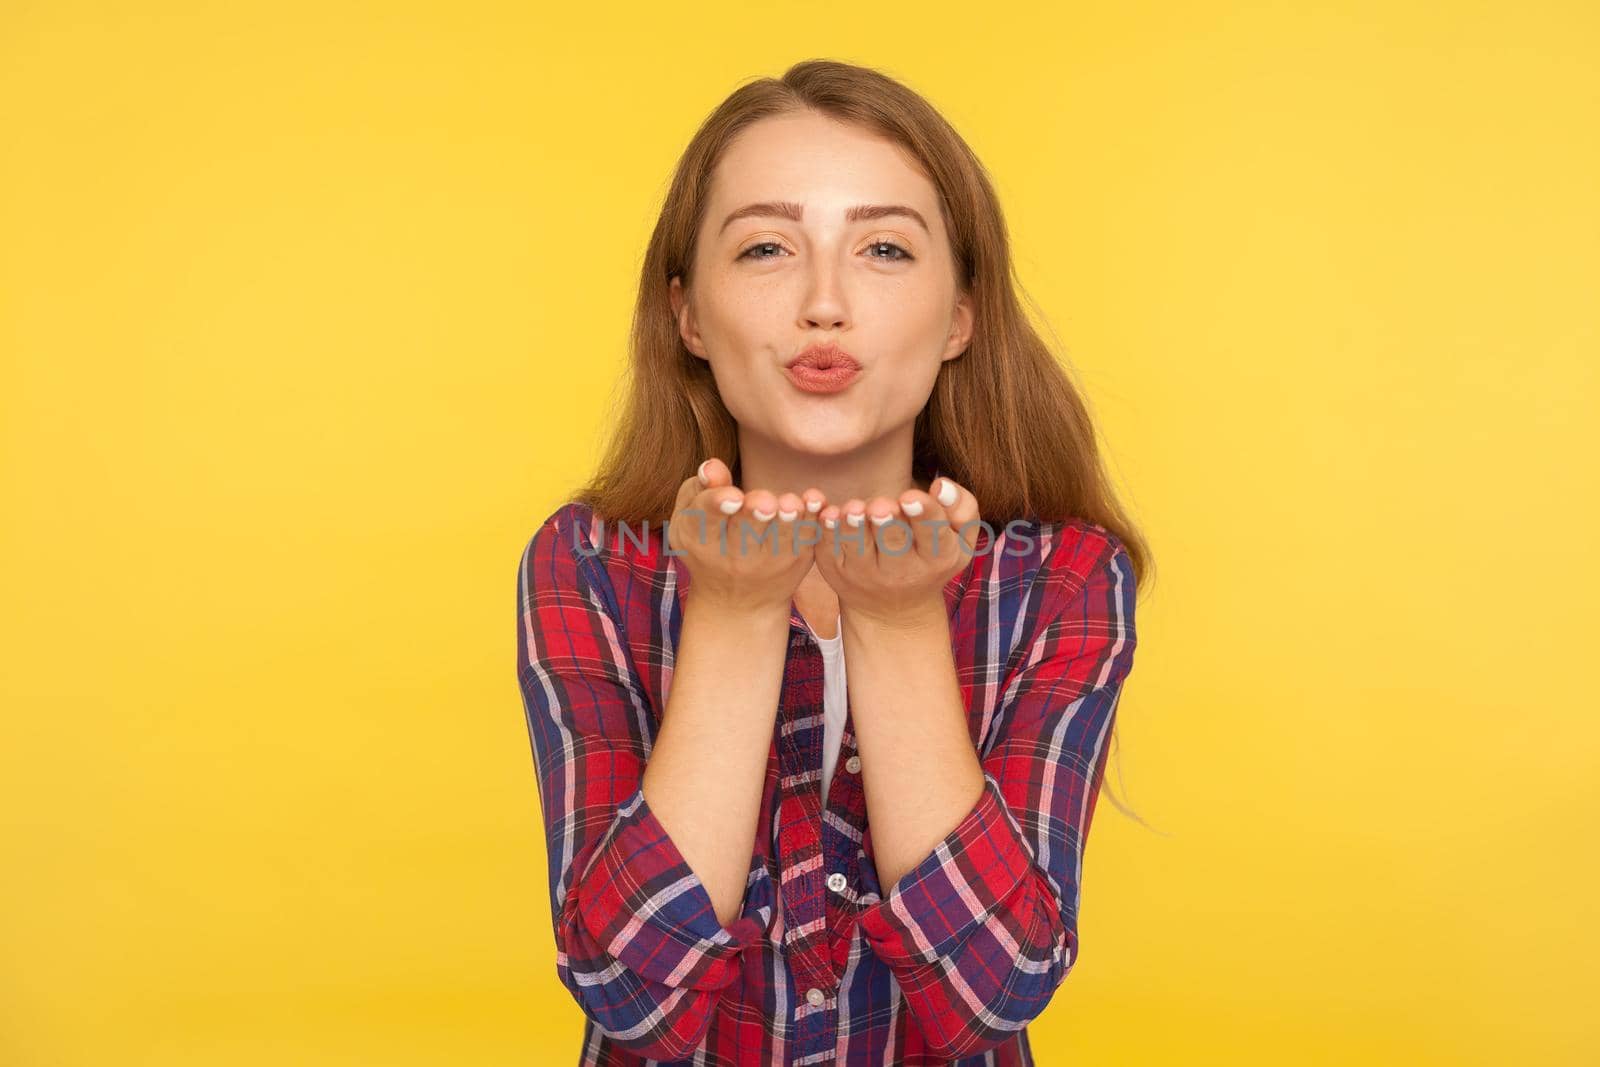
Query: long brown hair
1004,419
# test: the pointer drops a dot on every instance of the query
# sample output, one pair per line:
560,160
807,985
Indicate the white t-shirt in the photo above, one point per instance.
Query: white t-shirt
833,706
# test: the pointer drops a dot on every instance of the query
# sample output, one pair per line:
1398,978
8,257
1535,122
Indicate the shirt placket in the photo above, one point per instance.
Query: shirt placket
803,881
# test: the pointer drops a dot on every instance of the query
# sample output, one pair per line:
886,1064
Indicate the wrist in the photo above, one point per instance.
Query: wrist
744,611
917,617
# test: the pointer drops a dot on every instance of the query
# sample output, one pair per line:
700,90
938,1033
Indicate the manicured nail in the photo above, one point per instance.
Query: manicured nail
853,519
947,492
730,506
762,516
813,506
788,516
830,523
879,520
912,508
700,472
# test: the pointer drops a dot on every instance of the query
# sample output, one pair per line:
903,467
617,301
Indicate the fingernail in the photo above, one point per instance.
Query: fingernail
730,506
912,508
947,492
700,471
813,506
788,516
762,516
853,519
829,523
879,520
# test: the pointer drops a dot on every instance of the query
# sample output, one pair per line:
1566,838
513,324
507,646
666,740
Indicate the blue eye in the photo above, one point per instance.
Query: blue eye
890,244
746,254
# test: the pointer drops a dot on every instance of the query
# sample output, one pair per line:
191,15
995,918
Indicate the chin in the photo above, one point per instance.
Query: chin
822,443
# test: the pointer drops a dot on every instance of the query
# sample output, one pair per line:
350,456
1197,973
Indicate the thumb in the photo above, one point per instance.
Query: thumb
714,474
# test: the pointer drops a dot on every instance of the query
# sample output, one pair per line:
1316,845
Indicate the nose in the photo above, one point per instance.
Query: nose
824,305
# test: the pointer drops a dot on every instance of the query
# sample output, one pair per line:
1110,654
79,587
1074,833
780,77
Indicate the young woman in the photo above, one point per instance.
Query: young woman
818,757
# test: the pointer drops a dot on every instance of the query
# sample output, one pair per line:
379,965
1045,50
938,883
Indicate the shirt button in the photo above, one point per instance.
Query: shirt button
816,996
836,882
853,764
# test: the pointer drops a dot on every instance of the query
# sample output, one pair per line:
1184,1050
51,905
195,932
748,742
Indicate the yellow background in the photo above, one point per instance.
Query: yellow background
310,314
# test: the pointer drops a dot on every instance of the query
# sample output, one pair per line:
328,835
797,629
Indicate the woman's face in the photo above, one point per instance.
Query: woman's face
769,283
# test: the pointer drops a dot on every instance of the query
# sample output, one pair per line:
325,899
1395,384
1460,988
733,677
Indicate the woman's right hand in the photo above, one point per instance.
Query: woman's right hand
737,558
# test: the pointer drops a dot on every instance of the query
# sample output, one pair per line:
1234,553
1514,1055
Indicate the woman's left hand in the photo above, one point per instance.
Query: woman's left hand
893,573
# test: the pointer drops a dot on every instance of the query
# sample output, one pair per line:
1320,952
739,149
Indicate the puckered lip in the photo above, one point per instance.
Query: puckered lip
822,356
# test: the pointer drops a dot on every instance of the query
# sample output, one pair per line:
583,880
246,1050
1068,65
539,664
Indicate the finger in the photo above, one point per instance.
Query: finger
891,535
854,534
922,512
723,507
756,532
792,518
713,472
827,549
812,501
763,504
695,511
961,508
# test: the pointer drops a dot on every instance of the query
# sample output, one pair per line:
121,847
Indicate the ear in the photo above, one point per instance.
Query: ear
961,320
683,311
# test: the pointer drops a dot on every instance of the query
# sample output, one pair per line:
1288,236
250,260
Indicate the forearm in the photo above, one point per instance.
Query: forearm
708,765
919,768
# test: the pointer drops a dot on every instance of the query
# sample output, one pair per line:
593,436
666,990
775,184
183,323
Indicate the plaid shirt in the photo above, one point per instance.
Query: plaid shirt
820,966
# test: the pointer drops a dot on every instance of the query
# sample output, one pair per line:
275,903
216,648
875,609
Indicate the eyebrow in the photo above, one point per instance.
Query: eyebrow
788,209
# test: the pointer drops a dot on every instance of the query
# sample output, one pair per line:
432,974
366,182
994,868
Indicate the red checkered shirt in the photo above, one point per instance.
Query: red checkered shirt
820,966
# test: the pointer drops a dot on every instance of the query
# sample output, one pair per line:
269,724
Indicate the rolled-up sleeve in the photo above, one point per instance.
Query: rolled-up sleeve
638,942
983,930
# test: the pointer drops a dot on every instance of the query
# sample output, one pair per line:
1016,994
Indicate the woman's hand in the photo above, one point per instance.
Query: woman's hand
744,551
893,573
